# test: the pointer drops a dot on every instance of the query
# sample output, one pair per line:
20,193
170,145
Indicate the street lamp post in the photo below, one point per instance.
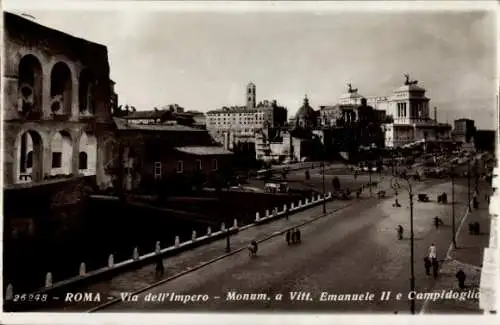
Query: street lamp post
395,185
453,207
468,185
323,179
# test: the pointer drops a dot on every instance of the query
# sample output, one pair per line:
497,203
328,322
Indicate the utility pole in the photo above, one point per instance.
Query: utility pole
228,241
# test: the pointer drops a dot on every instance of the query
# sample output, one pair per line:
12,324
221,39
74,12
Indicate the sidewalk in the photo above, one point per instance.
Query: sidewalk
467,256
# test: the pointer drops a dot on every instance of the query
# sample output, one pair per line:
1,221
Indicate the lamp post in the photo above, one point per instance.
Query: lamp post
453,206
395,185
468,185
323,180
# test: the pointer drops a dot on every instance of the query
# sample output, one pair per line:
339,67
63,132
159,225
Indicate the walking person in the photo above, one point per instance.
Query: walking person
288,237
435,267
297,235
400,232
427,265
293,236
160,268
432,252
461,278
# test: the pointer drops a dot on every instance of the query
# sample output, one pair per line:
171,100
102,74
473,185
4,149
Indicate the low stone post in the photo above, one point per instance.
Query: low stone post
209,231
193,235
135,254
275,212
111,261
48,280
284,207
157,248
292,206
177,241
83,268
267,213
257,216
235,223
300,203
307,201
223,227
9,293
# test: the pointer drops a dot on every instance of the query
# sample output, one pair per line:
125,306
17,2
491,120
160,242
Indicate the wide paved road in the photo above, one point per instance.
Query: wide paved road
353,251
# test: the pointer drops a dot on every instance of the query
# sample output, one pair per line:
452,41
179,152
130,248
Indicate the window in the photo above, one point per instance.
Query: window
198,165
29,160
214,164
82,160
180,166
157,170
56,159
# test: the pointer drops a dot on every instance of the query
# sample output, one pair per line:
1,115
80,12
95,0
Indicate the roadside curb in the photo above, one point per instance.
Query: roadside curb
189,270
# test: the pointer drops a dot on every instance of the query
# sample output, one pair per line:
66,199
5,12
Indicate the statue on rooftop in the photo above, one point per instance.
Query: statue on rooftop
350,89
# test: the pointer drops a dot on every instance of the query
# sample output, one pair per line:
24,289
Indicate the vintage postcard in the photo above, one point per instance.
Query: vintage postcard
331,158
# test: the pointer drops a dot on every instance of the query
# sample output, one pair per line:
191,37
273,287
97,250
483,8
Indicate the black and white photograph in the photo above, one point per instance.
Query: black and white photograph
246,157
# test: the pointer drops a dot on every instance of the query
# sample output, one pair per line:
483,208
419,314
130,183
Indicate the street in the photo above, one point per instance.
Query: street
355,251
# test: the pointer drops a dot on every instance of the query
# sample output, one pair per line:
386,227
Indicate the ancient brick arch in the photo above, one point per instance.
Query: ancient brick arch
61,88
61,146
30,139
30,87
86,89
87,149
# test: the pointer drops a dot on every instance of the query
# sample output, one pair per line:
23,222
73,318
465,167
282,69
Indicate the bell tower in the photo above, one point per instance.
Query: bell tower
251,96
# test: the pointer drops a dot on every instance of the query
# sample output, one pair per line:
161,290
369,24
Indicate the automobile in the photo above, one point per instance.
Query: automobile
365,168
276,187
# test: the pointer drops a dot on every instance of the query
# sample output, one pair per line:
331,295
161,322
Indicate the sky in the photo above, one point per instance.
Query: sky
204,60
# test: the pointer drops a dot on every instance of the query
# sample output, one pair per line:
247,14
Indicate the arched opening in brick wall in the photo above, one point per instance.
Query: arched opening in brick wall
30,78
29,166
60,89
88,150
62,154
86,92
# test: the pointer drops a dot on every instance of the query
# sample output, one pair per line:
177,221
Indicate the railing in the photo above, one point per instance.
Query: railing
177,248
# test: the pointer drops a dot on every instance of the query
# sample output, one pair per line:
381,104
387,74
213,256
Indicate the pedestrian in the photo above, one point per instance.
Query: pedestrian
400,232
435,267
432,252
297,235
293,236
160,268
427,265
288,237
461,278
436,222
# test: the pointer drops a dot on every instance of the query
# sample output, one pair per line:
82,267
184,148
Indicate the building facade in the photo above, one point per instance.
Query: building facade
464,130
185,151
58,101
231,125
409,108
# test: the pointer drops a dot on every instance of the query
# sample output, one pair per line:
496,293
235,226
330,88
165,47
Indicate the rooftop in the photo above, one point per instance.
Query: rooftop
123,125
234,109
204,150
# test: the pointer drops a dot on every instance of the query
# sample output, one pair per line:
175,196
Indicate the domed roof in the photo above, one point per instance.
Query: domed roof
305,111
